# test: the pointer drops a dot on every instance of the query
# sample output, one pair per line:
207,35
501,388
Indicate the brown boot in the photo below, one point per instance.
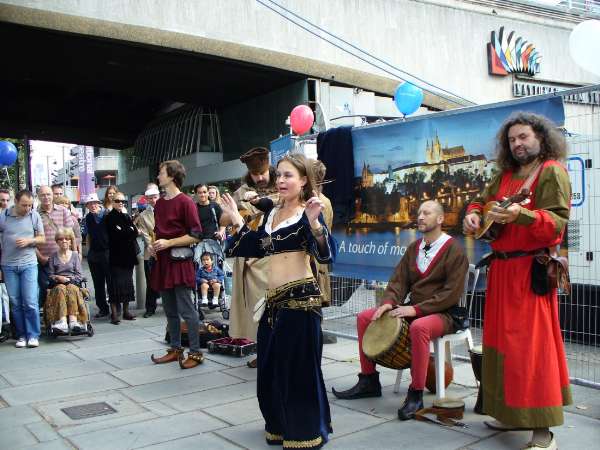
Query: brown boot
194,359
172,355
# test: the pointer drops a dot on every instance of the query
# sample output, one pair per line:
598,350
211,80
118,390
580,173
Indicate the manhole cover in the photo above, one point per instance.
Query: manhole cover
89,410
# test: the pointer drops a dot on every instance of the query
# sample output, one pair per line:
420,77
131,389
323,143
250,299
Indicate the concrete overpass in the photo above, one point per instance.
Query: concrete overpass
97,72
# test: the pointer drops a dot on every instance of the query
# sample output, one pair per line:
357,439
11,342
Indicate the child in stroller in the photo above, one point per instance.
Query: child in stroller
209,276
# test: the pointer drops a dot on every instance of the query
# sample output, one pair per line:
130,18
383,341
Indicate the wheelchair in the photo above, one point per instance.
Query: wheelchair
87,330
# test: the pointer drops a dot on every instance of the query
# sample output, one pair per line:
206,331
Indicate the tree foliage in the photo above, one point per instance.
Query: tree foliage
10,181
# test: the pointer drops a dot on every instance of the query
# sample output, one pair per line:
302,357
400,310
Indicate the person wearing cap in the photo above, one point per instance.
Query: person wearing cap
249,275
97,256
145,224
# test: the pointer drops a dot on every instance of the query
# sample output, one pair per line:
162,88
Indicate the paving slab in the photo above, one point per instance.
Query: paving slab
406,435
237,413
178,386
41,374
125,348
118,337
243,373
212,397
17,437
577,433
227,360
53,414
201,440
14,416
159,408
16,362
134,359
58,444
41,392
339,369
345,421
8,351
151,373
143,434
250,436
43,431
586,402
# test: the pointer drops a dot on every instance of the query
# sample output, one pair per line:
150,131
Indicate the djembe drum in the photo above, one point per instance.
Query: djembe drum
387,342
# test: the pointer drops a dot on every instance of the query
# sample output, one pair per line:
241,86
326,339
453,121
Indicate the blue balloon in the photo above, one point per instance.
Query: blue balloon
408,98
8,153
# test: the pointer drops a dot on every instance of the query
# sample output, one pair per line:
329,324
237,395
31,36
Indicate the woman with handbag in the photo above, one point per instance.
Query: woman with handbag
122,257
176,228
290,389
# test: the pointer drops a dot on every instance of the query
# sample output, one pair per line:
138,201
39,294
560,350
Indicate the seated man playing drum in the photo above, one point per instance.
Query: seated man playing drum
432,271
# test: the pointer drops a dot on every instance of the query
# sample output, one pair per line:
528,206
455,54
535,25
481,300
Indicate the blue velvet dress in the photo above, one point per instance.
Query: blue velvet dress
290,388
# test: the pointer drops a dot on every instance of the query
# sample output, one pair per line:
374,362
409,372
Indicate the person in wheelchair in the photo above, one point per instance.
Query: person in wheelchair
65,309
209,275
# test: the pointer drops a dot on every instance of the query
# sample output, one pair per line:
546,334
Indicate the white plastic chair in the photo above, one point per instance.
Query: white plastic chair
441,346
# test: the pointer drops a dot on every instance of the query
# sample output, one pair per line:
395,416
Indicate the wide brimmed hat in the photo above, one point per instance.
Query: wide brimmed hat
256,159
92,198
152,191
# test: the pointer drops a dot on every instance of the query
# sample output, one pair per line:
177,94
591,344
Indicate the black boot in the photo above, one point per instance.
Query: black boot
412,403
367,386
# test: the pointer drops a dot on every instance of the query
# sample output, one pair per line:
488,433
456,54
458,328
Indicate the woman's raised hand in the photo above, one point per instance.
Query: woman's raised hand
313,208
229,207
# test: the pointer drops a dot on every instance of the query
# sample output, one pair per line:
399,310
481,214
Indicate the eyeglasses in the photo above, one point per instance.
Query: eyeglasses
119,201
63,239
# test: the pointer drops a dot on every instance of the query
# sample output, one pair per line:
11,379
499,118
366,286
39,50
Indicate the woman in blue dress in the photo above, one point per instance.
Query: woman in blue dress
290,387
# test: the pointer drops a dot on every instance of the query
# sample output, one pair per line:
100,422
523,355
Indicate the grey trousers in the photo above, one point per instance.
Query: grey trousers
178,302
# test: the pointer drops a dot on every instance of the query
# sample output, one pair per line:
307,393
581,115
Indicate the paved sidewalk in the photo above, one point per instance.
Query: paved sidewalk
214,406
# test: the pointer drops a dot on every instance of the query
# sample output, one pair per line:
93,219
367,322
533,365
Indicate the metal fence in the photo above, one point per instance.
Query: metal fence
579,309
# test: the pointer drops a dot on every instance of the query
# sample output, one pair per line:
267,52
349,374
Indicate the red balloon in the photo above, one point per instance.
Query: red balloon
301,119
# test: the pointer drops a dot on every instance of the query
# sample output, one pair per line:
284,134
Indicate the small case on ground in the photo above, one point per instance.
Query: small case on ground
207,332
232,346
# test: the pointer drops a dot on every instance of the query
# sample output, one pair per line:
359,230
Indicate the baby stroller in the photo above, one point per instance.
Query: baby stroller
214,247
86,330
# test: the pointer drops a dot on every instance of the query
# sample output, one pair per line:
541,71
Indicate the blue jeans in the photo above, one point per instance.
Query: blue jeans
22,286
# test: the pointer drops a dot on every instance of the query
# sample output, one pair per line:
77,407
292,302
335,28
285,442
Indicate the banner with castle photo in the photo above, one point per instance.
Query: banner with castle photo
446,156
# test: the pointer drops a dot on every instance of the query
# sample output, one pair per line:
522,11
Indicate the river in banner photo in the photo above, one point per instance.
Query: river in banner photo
372,254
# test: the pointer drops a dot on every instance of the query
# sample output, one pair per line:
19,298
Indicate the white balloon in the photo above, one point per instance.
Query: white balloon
584,45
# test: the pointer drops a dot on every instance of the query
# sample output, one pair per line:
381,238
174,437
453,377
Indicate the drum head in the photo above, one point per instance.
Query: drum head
380,335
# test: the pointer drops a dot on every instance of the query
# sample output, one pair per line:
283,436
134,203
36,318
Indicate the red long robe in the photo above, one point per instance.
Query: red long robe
525,375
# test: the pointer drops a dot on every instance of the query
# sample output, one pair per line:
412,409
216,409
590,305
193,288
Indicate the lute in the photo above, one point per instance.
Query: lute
490,230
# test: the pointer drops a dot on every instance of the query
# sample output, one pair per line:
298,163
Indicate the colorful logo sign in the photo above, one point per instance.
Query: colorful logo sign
512,55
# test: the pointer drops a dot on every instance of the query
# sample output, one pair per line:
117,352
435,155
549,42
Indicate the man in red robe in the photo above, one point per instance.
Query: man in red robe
433,271
525,376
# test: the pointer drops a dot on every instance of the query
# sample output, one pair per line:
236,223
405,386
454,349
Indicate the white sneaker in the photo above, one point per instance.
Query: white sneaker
33,342
61,325
205,301
21,343
75,326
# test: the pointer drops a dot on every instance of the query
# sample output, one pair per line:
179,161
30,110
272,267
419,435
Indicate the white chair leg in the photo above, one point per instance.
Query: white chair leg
398,380
439,358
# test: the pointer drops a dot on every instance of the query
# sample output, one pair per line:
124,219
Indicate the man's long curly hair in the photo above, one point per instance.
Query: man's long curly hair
552,141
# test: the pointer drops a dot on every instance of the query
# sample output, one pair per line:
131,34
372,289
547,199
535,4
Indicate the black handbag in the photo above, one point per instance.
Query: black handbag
460,318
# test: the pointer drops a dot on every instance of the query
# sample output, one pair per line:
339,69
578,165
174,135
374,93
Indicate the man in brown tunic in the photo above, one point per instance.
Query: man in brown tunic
432,271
